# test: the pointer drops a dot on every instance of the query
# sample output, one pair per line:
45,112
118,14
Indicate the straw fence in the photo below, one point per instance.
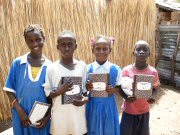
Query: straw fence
126,20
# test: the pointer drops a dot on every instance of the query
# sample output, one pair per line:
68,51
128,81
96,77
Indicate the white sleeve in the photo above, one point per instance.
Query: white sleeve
118,80
48,83
84,79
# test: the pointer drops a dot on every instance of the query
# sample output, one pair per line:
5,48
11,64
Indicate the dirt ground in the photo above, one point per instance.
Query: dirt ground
164,114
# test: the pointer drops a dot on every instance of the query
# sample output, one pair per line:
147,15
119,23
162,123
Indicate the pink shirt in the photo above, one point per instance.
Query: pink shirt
139,106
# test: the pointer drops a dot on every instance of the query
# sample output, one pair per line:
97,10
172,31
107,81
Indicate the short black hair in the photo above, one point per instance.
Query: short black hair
68,33
142,42
33,27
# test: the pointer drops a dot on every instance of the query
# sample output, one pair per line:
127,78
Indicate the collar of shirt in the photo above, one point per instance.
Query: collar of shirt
140,70
75,61
106,65
24,60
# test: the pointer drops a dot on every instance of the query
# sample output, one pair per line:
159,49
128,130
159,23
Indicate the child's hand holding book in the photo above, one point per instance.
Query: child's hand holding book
130,99
81,102
37,116
151,100
110,89
89,85
42,123
62,88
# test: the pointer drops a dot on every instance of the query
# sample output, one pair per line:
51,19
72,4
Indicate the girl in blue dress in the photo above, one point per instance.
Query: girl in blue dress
101,112
24,84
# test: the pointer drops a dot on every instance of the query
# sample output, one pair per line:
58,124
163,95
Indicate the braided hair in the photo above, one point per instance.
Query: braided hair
109,40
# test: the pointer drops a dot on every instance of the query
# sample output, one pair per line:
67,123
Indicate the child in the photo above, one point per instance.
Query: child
135,118
67,119
101,112
24,84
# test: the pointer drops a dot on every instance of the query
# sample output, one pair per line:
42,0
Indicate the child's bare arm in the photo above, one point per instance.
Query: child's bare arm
80,102
121,92
22,114
151,100
89,85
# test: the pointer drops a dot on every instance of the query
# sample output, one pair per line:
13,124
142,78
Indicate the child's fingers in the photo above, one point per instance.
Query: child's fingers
89,86
80,102
29,122
70,88
85,99
77,103
151,100
89,82
109,88
40,123
26,123
69,84
130,99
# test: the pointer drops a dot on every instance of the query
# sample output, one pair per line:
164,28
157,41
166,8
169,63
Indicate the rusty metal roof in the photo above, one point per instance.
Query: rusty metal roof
171,5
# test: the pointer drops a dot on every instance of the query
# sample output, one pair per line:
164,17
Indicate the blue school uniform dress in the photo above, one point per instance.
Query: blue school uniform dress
101,113
27,91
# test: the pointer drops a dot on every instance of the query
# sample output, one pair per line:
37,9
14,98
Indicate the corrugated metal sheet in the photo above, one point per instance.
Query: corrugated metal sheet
168,40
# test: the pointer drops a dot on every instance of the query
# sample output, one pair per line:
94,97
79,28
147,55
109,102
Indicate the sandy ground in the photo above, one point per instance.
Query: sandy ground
164,114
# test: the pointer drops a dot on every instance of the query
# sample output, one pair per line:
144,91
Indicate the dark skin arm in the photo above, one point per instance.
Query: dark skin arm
111,90
22,114
89,85
151,100
80,102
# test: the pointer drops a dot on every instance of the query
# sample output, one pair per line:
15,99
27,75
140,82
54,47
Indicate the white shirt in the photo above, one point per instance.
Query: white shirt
65,119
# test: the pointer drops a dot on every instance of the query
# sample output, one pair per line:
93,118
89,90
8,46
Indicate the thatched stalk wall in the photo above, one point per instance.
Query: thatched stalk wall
128,21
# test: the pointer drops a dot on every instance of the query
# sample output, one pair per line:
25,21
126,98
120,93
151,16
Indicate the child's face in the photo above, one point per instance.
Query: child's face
101,51
35,41
141,52
66,46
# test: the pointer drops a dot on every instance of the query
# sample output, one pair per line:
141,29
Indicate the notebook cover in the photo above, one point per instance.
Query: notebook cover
143,85
40,114
77,81
94,78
